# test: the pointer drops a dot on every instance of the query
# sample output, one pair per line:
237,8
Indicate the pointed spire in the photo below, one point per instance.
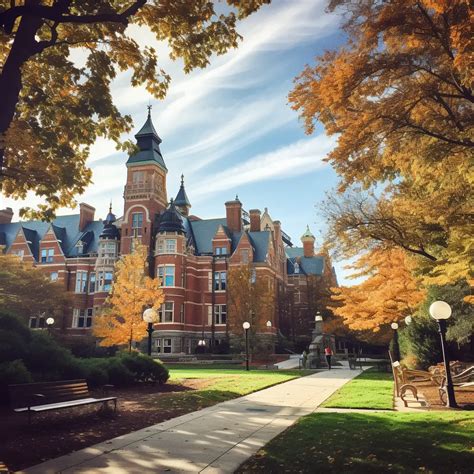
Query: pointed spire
110,207
148,143
182,201
308,235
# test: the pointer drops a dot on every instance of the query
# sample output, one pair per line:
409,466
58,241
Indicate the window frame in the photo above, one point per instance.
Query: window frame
220,280
81,285
220,314
163,275
166,312
48,256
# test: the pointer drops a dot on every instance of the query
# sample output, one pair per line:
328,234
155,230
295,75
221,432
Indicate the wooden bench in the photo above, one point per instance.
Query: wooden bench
39,397
462,380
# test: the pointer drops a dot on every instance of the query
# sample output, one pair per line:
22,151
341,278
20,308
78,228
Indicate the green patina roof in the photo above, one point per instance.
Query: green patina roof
307,234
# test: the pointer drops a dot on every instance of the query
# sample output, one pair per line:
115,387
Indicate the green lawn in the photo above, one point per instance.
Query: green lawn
221,384
435,442
371,390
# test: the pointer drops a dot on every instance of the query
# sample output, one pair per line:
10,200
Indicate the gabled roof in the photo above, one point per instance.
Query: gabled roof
66,229
307,265
148,143
203,232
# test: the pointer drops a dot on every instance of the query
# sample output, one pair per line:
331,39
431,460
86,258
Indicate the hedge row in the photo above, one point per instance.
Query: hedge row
29,356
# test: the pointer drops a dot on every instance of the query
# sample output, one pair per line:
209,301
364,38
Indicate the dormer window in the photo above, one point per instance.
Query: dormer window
80,247
220,250
297,267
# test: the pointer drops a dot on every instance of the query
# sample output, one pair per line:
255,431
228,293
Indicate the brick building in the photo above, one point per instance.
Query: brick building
190,255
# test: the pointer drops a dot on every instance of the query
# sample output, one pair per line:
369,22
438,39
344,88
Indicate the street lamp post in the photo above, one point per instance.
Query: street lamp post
396,347
246,327
151,317
49,324
408,320
441,311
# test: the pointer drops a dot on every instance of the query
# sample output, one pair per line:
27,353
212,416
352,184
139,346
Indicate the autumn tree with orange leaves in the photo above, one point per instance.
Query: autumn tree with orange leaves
388,294
251,298
121,321
399,96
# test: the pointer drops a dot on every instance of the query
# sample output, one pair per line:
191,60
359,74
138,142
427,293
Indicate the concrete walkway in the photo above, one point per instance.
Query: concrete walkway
213,440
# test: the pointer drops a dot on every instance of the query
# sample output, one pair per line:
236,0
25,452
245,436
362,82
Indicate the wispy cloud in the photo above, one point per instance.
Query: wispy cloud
301,157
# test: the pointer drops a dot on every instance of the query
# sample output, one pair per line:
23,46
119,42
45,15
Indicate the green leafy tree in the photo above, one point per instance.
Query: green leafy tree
53,109
26,291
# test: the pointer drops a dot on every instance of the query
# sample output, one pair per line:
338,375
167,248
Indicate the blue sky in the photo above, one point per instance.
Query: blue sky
229,128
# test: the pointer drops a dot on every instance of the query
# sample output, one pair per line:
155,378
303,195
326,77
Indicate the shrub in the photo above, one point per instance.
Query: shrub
145,368
12,323
118,374
95,375
12,346
12,372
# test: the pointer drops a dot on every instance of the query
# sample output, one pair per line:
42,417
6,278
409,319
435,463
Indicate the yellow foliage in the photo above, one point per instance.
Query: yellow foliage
400,98
121,321
388,294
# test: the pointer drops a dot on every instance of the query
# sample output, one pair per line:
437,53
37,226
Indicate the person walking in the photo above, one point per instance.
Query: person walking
328,354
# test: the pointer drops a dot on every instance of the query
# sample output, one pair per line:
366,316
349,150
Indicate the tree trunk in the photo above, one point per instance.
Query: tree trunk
24,46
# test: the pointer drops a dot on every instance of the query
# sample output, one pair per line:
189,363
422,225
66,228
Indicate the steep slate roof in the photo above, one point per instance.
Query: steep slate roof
203,232
148,143
307,265
182,198
66,229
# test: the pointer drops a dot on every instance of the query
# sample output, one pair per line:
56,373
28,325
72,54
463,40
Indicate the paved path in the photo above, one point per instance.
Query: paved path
213,440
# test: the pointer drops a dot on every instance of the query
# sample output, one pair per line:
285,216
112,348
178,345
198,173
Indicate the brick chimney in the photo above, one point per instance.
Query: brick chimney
308,240
233,211
254,220
6,215
86,213
277,231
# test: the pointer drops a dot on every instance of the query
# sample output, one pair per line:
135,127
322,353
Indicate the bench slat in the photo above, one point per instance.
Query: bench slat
71,403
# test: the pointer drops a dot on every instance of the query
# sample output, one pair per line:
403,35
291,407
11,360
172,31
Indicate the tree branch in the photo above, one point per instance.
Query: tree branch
56,14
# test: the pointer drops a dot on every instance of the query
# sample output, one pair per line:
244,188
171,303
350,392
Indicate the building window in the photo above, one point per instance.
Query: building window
19,253
137,223
82,318
220,314
253,276
108,249
170,245
220,251
47,255
181,314
37,322
297,268
220,281
108,278
244,253
92,279
81,282
167,346
138,177
166,275
166,312
158,345
53,276
80,247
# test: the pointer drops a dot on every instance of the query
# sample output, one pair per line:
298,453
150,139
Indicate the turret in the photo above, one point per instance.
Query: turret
308,240
182,201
